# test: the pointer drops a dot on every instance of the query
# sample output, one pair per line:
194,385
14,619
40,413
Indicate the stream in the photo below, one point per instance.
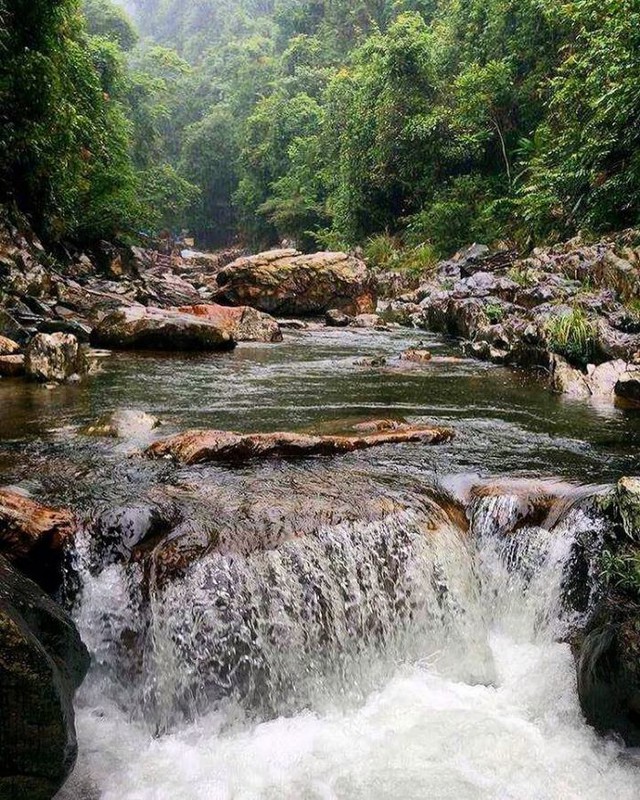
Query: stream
394,656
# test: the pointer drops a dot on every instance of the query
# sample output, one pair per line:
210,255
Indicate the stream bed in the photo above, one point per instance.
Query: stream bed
445,676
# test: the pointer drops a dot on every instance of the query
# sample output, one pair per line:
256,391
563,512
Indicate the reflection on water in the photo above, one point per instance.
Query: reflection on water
505,420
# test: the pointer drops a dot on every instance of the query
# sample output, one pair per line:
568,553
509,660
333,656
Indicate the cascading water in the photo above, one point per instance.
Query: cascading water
398,658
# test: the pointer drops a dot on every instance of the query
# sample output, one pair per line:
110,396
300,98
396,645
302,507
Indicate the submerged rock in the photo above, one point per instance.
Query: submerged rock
55,357
123,423
155,328
197,446
33,537
288,283
417,354
42,663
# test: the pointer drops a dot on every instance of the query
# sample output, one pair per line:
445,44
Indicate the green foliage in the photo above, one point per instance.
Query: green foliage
585,165
621,570
165,197
523,276
494,312
439,122
572,335
105,18
64,136
209,161
386,253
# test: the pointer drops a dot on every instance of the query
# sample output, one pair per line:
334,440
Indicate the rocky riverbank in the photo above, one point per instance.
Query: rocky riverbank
570,311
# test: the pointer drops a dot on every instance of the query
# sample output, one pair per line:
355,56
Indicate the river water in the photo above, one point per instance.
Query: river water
376,661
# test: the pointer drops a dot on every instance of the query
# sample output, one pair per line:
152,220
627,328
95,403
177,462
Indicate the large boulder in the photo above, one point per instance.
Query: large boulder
55,357
155,328
288,283
42,662
33,537
197,446
247,324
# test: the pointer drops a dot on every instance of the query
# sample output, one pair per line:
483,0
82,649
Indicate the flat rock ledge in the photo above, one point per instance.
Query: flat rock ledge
197,446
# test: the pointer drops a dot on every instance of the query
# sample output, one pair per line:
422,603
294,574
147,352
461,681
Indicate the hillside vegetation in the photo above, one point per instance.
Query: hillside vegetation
429,123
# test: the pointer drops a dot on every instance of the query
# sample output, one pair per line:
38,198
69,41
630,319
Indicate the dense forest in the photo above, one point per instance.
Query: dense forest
425,124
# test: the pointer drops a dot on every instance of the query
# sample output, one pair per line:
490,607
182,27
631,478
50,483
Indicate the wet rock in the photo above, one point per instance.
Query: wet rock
55,357
486,352
124,423
399,311
11,366
287,283
43,661
8,347
140,327
567,380
603,378
464,317
368,321
335,318
198,446
245,324
115,532
608,670
608,650
417,354
294,324
33,537
628,386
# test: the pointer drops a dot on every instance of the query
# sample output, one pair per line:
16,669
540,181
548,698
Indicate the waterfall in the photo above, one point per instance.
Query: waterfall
404,657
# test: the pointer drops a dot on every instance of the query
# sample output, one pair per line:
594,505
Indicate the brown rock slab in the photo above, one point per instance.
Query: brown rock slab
195,446
33,536
162,329
246,324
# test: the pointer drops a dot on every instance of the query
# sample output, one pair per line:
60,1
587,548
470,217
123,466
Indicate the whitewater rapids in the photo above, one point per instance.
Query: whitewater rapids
479,702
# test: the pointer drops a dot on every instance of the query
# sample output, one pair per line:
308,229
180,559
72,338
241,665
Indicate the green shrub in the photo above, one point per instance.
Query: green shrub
572,335
523,276
494,312
622,571
384,252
